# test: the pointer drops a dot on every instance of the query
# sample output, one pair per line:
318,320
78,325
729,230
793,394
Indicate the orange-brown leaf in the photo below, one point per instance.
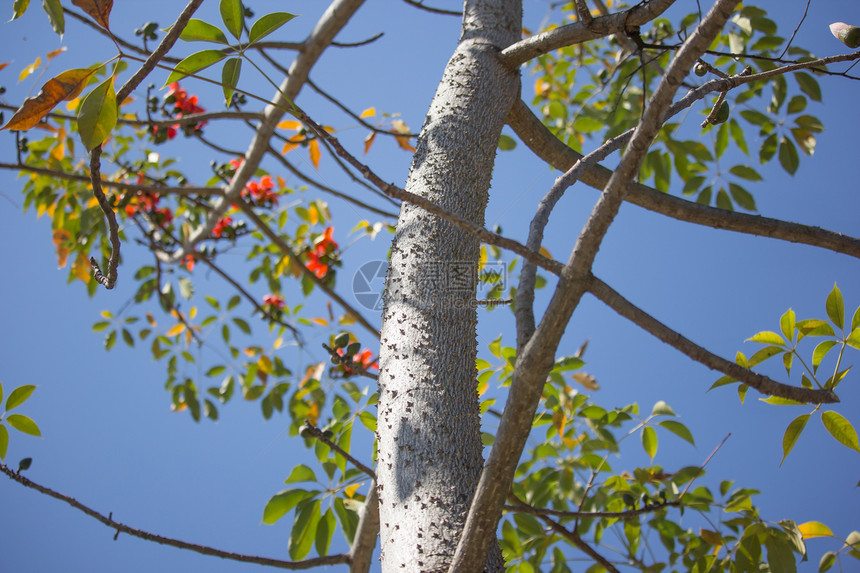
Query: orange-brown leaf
54,53
290,124
403,143
99,10
314,150
81,268
67,85
3,65
61,236
368,141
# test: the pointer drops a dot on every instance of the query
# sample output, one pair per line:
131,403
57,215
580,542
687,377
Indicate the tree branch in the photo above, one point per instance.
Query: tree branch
204,549
536,359
549,148
579,32
763,384
309,430
579,543
361,552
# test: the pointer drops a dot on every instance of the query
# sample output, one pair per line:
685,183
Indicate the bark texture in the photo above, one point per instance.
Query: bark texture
430,454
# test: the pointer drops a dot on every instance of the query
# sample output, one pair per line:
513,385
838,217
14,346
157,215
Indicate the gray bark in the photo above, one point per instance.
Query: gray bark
430,453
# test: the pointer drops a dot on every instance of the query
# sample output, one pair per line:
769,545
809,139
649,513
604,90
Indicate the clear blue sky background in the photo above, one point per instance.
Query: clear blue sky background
111,441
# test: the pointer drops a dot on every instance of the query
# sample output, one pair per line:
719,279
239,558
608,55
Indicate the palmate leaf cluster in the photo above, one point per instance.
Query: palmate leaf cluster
215,350
595,91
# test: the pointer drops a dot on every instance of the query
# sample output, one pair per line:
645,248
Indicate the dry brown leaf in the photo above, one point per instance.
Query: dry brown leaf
67,85
99,10
586,380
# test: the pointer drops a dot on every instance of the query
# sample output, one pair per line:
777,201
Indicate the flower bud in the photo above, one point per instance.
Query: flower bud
847,34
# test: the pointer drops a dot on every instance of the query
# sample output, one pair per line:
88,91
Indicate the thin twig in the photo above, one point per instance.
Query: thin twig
309,430
763,384
629,514
204,549
432,10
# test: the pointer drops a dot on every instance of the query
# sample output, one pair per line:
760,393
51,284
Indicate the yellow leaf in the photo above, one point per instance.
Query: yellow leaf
812,529
289,145
314,150
369,112
177,329
279,341
482,259
281,183
320,321
313,413
67,85
313,214
81,268
368,141
54,53
289,124
193,312
265,364
29,69
712,538
545,252
350,491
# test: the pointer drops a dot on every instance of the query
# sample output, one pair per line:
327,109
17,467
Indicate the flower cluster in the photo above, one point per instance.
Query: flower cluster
147,202
261,193
321,256
363,360
183,105
223,227
274,301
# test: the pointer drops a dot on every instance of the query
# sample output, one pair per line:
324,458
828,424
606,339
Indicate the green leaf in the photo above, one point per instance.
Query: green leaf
808,85
767,337
348,519
97,115
792,433
768,148
786,324
55,14
242,324
506,142
742,197
820,352
281,503
325,530
268,24
566,363
1,392
304,530
836,307
788,157
780,556
839,428
796,104
28,426
827,561
780,401
678,429
233,16
301,473
230,78
194,63
19,7
745,172
814,327
661,408
200,31
649,441
18,396
4,441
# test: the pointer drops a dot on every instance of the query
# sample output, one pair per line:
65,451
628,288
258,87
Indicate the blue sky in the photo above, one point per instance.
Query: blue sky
111,441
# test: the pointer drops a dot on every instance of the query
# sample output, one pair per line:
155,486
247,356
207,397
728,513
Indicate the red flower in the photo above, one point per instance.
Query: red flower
275,301
316,266
363,359
222,224
236,163
189,262
262,192
326,244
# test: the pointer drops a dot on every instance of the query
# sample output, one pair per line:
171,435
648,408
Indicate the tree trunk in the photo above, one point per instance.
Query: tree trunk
430,457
